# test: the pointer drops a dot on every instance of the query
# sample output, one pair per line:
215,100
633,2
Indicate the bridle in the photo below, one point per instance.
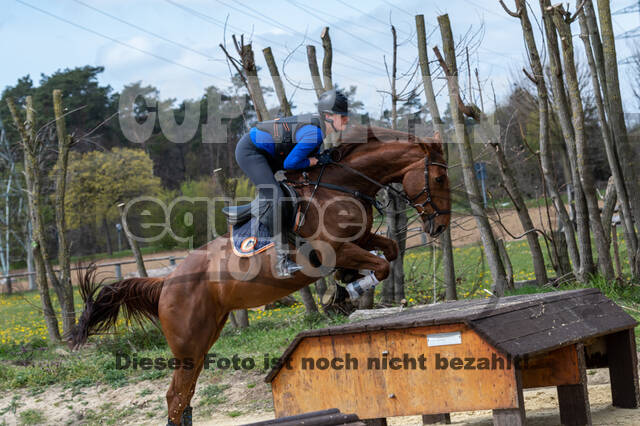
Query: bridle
411,201
427,191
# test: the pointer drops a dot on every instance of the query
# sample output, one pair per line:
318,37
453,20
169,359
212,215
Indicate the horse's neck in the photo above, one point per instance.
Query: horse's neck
383,162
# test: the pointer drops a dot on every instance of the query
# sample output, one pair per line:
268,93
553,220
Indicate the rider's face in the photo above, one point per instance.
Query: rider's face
339,122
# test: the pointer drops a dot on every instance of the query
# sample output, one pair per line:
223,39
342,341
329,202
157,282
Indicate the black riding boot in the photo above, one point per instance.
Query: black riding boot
271,216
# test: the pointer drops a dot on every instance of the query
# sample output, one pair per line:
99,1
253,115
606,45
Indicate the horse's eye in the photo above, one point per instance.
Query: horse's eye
440,179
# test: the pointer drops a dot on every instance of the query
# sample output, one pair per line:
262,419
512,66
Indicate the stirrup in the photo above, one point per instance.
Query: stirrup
285,267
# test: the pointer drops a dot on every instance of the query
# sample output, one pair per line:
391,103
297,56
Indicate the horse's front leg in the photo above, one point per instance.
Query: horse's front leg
377,242
352,256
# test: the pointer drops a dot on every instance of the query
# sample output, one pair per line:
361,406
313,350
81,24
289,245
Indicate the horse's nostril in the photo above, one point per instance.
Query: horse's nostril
439,230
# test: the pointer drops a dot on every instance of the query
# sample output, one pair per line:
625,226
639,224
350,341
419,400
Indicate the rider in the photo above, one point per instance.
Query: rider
287,144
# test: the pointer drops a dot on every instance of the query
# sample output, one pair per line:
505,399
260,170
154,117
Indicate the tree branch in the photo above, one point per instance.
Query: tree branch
515,14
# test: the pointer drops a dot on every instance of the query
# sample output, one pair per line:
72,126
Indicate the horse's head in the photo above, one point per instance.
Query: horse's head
427,187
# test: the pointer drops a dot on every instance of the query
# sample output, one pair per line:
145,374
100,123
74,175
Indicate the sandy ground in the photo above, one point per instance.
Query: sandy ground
248,399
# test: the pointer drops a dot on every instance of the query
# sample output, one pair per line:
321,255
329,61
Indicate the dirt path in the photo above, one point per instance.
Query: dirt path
245,398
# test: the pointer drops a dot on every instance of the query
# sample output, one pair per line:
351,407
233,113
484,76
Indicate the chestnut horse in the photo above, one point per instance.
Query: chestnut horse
194,301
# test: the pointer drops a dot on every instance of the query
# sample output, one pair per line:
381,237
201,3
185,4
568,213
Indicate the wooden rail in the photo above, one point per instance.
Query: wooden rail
117,265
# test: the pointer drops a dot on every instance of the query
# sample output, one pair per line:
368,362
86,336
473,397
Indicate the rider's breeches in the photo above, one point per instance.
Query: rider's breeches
255,165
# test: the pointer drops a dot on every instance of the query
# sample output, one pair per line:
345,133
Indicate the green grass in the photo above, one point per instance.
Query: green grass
32,417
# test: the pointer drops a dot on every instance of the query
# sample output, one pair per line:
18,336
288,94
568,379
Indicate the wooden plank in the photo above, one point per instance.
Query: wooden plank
559,367
295,418
509,417
375,422
512,416
623,368
569,333
522,325
374,393
431,419
574,399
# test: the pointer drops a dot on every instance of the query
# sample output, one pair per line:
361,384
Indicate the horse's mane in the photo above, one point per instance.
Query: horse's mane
356,135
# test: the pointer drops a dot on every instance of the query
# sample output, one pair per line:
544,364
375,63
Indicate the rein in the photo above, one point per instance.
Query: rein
426,190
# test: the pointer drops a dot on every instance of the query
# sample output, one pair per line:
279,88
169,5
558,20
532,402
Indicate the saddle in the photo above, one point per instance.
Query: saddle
251,236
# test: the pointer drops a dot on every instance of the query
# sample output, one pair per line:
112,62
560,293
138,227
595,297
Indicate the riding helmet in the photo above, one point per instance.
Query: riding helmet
333,102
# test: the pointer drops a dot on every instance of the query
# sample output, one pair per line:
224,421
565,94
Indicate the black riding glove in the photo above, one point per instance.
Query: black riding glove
324,157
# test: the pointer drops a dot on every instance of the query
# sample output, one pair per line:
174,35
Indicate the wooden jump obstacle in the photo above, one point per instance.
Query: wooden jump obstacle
477,355
331,417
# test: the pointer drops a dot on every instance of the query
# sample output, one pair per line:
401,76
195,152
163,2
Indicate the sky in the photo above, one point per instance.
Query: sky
174,44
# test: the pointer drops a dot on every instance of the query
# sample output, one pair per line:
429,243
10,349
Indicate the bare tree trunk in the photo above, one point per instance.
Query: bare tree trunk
285,107
30,147
504,255
545,143
30,265
394,71
582,161
313,69
142,271
321,287
564,117
614,164
466,157
242,318
327,60
449,274
253,82
248,74
64,144
511,187
308,300
626,154
396,216
609,206
107,236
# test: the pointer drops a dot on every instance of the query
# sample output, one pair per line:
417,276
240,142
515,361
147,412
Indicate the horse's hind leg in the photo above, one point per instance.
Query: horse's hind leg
183,383
191,324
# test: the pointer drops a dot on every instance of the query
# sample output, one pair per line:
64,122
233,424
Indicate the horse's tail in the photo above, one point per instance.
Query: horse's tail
138,298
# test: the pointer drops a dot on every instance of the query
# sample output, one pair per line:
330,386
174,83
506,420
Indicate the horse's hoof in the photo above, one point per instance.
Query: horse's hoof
334,295
187,416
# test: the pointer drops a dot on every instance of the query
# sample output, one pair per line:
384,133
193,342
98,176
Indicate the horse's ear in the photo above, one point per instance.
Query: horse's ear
437,142
431,144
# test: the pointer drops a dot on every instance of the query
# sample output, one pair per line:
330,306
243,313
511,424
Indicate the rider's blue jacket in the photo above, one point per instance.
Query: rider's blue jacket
308,138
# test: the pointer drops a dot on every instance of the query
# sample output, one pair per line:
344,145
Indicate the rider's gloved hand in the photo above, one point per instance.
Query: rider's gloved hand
324,157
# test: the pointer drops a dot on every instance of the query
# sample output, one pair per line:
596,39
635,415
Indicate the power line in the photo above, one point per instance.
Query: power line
375,18
262,17
493,12
629,34
307,9
629,9
401,10
223,25
158,36
122,43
